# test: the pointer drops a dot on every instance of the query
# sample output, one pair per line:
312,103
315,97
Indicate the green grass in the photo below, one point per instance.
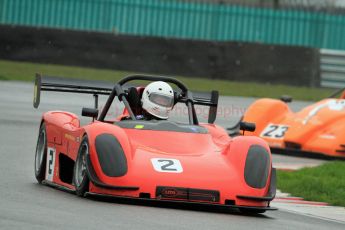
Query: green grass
24,71
325,183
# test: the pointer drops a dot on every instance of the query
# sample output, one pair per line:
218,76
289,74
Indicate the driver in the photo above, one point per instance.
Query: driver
157,101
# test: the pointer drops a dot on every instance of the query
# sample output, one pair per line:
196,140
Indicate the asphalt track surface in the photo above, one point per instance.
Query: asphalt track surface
24,204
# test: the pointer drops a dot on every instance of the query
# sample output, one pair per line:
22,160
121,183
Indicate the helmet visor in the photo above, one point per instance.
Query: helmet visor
161,100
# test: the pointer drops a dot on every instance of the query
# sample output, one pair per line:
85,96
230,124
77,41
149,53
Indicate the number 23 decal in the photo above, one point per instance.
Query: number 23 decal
274,131
167,165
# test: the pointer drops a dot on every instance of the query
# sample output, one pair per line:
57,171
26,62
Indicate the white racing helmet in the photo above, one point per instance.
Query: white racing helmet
158,99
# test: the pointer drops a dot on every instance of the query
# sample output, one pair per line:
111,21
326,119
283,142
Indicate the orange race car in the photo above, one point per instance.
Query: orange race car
317,130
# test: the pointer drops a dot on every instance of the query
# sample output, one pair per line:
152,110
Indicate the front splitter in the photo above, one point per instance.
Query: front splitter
203,206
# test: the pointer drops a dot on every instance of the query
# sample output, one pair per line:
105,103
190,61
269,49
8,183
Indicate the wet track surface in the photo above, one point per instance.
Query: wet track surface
26,205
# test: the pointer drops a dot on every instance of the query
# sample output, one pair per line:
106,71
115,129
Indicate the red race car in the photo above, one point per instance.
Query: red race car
156,160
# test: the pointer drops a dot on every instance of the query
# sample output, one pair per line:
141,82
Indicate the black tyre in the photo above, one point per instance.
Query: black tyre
80,177
41,154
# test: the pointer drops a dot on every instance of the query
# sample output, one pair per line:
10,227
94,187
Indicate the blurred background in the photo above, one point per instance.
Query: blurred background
291,42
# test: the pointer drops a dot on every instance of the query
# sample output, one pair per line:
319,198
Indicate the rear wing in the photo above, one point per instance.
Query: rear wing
59,84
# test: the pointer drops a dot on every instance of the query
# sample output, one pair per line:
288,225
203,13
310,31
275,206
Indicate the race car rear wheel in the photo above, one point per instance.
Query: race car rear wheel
80,177
41,154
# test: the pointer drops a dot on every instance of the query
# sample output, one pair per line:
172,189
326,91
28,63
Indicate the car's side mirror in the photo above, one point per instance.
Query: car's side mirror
286,98
247,126
89,112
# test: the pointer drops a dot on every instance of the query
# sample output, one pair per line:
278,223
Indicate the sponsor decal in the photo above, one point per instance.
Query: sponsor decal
70,137
169,192
139,126
189,194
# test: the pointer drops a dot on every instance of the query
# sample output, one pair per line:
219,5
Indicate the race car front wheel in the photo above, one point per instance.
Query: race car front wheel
80,177
41,154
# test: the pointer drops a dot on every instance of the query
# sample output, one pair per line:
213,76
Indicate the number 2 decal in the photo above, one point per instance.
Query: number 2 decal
275,131
167,165
50,164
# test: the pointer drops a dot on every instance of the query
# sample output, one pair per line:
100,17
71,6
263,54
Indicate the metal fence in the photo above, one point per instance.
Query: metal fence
332,68
181,19
334,6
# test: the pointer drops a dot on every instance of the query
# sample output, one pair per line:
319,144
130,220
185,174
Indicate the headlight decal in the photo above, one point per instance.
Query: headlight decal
257,167
111,156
